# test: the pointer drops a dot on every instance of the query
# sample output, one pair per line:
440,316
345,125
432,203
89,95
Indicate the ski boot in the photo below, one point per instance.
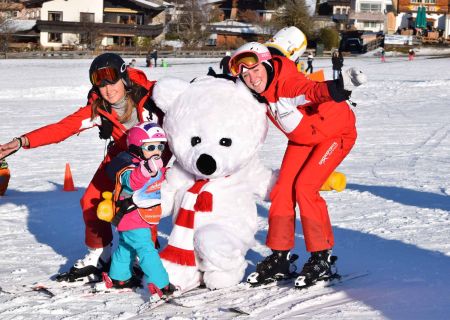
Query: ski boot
131,283
319,267
278,266
157,294
91,266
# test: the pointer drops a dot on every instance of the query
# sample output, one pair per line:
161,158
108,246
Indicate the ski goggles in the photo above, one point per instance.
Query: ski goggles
247,59
153,147
103,76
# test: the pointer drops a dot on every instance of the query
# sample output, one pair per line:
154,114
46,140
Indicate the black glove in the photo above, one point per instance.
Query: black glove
105,129
337,91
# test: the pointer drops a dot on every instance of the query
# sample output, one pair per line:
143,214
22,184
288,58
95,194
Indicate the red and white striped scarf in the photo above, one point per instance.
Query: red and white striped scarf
180,249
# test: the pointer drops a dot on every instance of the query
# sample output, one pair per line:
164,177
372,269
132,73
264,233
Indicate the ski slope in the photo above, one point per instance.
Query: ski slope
392,222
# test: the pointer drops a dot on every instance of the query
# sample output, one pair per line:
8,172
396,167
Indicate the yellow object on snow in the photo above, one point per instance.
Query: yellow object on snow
336,181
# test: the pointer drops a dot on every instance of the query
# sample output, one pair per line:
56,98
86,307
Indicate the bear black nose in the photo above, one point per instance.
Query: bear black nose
206,164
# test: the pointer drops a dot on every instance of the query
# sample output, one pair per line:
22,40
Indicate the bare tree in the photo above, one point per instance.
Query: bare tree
191,22
5,33
91,35
294,13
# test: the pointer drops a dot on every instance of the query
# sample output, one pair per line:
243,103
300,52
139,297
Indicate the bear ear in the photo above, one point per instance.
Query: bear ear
166,90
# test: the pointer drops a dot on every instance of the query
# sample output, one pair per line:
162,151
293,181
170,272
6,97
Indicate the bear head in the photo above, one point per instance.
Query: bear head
214,126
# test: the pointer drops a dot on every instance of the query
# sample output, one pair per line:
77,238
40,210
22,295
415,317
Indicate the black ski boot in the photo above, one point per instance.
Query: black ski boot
275,267
319,267
96,261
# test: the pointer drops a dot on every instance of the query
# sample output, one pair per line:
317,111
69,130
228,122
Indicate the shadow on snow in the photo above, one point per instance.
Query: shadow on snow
409,197
404,281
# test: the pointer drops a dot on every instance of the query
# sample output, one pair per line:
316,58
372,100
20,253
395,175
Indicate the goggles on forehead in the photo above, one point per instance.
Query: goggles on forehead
246,59
153,147
104,76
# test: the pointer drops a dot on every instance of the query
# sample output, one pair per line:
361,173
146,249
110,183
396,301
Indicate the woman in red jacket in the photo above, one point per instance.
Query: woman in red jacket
119,99
321,133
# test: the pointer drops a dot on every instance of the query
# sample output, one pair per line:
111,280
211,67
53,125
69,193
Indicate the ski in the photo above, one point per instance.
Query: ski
331,282
149,306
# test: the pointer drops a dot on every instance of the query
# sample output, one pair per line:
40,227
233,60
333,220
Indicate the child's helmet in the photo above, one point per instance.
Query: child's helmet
108,67
145,132
289,42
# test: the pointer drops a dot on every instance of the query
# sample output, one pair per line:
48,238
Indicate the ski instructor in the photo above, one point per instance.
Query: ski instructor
120,97
321,133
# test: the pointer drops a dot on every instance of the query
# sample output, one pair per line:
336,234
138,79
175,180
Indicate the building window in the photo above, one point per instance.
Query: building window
416,1
370,24
86,17
55,37
55,16
430,1
370,7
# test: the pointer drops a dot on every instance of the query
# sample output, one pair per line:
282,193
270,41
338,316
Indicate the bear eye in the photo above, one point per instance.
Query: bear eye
195,141
226,142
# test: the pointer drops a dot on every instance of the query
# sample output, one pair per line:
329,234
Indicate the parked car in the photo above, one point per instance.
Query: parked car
354,45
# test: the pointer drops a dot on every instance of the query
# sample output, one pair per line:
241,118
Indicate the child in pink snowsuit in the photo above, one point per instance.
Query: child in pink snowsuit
139,173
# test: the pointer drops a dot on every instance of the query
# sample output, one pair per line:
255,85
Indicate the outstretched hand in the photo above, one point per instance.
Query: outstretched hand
9,148
353,78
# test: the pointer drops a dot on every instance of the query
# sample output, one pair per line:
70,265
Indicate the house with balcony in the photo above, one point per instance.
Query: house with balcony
89,23
338,10
368,15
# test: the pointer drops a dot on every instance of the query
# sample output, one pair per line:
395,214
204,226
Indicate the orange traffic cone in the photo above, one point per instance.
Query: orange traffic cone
68,180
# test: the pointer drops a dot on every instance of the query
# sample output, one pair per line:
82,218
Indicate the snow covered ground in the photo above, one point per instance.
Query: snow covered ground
392,222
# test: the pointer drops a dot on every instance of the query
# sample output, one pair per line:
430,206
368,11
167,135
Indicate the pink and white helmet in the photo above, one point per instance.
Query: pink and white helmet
145,132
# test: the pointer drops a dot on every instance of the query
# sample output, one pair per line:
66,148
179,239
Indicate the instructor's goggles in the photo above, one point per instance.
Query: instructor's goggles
247,59
103,76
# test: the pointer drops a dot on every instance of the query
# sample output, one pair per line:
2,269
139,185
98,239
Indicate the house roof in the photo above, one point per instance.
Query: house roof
236,27
17,25
148,4
33,3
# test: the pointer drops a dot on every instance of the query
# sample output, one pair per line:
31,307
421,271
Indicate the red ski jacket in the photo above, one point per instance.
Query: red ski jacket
81,119
296,105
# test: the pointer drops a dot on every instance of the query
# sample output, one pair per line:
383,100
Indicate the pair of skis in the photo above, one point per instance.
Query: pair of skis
198,297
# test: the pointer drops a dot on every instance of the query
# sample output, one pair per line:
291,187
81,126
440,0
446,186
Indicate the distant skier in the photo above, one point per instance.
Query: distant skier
411,55
338,62
309,62
224,63
383,53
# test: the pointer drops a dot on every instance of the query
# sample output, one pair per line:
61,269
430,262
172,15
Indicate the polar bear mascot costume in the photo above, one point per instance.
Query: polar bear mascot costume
214,128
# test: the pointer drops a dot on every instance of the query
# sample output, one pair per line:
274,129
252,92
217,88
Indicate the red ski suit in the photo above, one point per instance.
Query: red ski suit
98,233
321,133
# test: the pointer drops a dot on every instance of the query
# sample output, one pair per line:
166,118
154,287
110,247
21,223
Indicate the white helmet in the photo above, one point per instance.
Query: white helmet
289,42
248,56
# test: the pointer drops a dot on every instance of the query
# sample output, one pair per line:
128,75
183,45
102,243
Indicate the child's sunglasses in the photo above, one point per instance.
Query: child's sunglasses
153,147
